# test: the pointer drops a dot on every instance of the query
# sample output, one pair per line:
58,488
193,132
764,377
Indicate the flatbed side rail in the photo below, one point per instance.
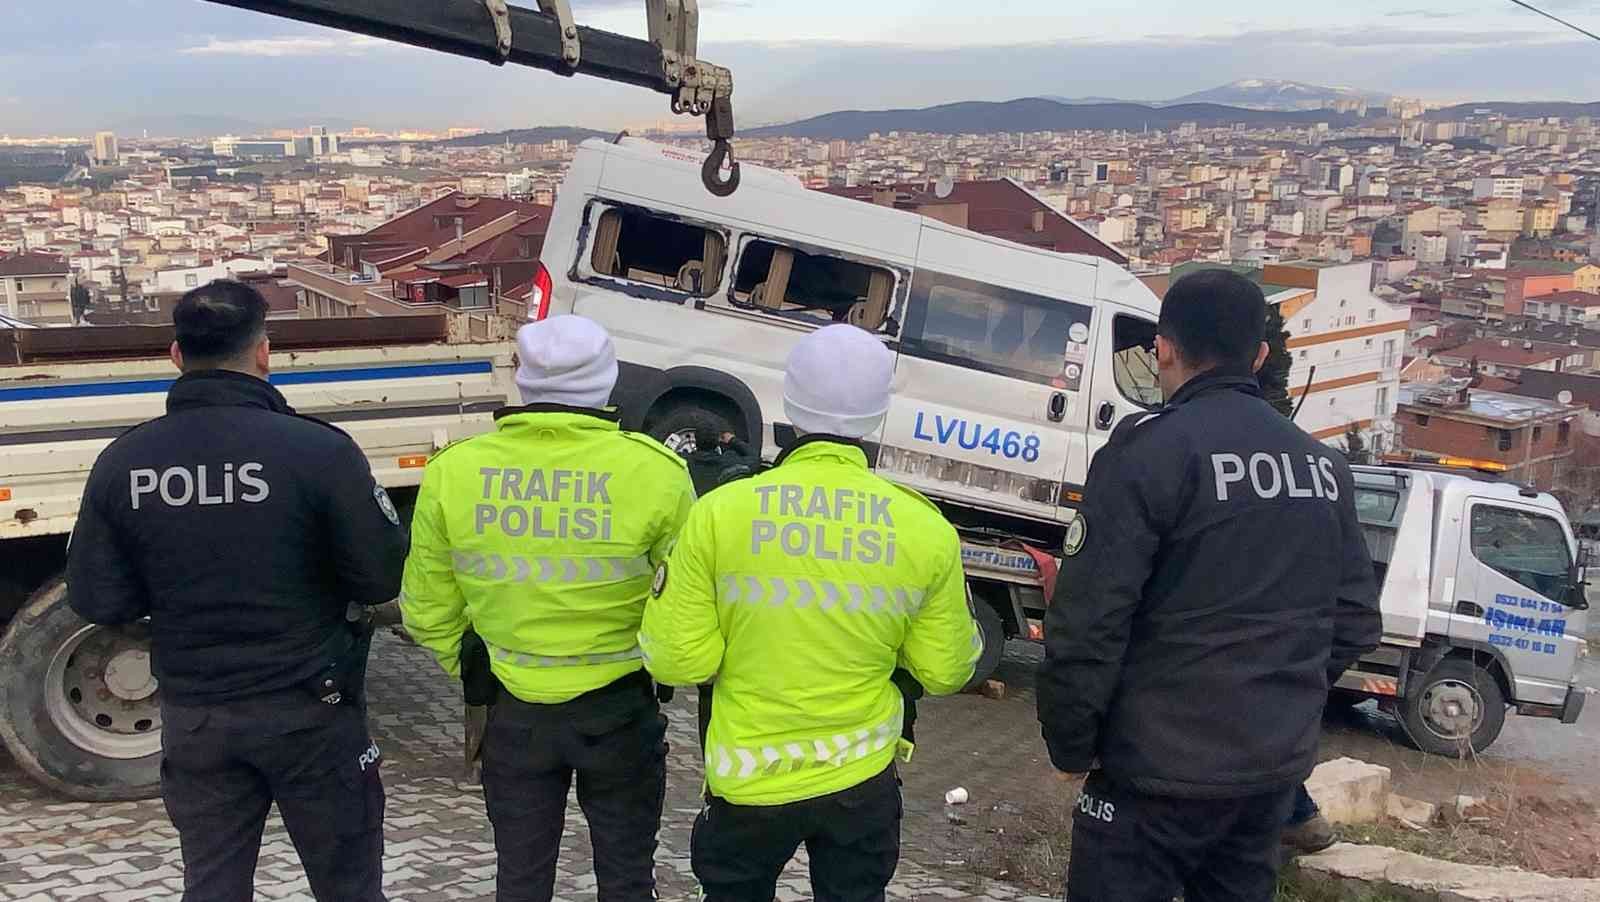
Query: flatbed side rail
83,343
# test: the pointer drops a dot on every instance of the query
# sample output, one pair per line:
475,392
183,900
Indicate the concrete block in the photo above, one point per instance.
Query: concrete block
1379,867
1414,810
1350,791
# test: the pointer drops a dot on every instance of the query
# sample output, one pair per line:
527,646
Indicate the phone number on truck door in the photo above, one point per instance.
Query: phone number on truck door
971,436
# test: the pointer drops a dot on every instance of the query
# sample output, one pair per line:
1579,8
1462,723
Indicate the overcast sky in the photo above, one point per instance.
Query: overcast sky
73,67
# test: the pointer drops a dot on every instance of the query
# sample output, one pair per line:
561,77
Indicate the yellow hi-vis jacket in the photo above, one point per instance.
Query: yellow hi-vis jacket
543,536
801,590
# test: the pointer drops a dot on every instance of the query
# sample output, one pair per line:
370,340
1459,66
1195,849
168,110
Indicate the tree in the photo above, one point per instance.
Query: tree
1355,445
1274,375
82,303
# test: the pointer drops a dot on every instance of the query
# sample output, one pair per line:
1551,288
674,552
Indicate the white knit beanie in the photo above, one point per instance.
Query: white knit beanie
837,382
566,360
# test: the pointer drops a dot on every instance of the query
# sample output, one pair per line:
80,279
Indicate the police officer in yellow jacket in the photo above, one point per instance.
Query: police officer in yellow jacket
541,538
801,590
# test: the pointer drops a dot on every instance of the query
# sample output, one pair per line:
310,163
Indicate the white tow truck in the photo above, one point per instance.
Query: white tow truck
79,708
1482,591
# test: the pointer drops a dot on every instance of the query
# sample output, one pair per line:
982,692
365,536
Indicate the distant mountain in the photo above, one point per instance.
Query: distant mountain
541,135
1091,99
1274,94
1533,110
1035,114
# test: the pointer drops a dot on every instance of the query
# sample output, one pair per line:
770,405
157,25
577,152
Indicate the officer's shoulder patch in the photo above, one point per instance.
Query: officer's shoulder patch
640,438
1077,534
659,585
385,504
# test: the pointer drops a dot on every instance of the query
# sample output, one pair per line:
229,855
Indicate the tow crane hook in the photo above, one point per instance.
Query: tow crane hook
711,171
719,128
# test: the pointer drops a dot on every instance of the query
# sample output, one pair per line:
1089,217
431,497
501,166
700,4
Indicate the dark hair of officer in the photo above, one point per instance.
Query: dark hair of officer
1216,318
221,326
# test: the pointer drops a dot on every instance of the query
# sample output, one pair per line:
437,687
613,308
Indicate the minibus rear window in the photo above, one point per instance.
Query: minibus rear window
778,279
637,245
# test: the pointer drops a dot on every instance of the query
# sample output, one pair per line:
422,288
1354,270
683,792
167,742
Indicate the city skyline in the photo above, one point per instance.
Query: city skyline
147,60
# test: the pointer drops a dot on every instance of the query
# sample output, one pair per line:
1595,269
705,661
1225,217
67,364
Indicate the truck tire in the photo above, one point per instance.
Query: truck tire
993,630
79,710
1457,710
675,426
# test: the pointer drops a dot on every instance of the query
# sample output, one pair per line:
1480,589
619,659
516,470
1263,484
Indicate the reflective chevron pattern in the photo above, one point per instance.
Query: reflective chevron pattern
743,763
522,659
823,595
572,570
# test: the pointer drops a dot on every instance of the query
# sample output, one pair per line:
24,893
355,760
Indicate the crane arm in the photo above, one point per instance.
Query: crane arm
547,38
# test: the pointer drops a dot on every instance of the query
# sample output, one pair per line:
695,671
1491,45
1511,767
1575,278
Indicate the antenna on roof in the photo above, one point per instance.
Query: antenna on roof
944,187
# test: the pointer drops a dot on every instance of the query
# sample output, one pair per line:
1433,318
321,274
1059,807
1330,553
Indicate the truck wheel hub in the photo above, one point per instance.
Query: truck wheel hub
101,695
128,676
682,442
1452,709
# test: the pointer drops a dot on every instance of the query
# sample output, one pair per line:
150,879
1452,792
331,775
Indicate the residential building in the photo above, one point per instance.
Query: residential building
1505,358
1346,345
1504,187
1571,307
1511,288
1532,437
1539,219
1001,208
105,149
1427,248
36,288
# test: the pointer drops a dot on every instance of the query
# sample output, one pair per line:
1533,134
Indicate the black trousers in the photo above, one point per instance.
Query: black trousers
614,741
1131,847
225,765
852,837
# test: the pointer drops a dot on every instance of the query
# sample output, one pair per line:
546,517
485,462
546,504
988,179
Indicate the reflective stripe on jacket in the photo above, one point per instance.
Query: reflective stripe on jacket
543,536
801,590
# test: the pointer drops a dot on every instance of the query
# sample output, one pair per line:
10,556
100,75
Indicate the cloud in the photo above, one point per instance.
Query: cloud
1358,39
1422,14
287,46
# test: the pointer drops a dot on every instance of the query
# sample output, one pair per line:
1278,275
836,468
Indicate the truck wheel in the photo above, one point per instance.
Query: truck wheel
677,425
993,631
1455,711
79,708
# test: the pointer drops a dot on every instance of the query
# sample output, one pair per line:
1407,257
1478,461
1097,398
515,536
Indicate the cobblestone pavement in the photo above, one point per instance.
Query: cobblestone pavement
438,840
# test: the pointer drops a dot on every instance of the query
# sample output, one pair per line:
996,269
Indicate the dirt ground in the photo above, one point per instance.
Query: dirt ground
1541,789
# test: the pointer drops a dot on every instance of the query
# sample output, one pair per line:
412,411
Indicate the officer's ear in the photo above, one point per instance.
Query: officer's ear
1166,353
177,356
264,355
1261,357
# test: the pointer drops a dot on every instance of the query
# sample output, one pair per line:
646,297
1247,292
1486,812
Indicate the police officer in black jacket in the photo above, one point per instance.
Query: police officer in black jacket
1213,588
244,531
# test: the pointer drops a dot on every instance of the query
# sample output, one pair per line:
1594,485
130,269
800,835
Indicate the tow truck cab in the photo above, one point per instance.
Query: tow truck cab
1481,588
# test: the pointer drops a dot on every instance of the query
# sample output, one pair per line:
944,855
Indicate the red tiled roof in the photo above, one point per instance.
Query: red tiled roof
1489,350
432,226
1570,298
1003,209
33,265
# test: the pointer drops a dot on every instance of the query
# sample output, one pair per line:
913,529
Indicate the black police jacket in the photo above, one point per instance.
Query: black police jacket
242,531
1216,588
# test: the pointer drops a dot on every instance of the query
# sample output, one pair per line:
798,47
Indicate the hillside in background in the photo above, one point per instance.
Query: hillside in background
1528,110
1276,94
1035,114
